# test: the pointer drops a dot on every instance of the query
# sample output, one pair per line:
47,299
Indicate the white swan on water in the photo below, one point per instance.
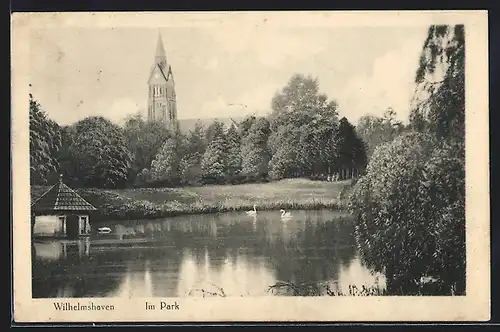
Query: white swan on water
285,215
252,212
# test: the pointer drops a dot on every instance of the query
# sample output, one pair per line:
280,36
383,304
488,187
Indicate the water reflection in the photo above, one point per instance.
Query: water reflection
201,254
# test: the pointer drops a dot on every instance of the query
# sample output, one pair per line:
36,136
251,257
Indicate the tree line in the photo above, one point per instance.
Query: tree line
303,136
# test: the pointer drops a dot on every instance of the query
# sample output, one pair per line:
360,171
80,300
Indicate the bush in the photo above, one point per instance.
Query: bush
410,216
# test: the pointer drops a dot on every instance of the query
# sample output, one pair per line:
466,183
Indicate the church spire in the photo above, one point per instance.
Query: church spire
160,56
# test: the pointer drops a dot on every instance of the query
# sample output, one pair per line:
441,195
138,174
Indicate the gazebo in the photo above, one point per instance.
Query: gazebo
61,212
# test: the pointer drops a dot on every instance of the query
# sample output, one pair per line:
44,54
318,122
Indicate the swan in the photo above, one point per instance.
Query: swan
252,212
285,215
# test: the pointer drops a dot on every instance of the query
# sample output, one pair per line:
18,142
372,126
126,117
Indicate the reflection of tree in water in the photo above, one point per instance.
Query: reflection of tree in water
314,253
307,248
156,270
105,269
74,275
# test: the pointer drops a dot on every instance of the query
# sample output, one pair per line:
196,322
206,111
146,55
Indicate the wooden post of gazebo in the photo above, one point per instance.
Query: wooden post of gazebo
64,212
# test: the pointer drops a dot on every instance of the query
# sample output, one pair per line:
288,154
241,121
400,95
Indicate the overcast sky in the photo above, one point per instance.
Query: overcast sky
78,72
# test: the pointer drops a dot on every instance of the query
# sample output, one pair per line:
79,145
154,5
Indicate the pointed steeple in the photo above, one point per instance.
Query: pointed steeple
160,56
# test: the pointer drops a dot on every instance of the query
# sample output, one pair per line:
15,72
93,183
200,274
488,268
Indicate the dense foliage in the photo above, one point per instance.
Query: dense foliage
375,130
410,205
99,154
214,161
440,98
190,164
45,141
307,139
254,151
303,137
143,139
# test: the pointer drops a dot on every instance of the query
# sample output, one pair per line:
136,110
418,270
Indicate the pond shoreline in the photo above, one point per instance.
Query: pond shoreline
161,214
157,203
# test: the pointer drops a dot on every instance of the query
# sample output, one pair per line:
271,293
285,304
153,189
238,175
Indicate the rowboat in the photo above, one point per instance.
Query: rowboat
104,230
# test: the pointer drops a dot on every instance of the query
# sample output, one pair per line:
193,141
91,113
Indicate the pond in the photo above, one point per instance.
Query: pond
228,254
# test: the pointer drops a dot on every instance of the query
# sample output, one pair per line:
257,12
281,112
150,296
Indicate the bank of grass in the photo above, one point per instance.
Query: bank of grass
150,203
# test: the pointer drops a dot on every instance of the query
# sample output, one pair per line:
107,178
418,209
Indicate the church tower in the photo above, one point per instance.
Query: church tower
162,103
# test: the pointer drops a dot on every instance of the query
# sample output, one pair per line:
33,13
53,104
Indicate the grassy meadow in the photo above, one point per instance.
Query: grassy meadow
150,203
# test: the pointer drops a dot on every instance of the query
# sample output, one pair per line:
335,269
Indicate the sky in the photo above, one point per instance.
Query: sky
80,71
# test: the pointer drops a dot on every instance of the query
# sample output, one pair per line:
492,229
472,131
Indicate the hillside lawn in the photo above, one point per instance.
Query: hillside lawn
150,203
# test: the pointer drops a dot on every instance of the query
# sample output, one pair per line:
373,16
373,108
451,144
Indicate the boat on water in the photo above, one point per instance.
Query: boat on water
104,230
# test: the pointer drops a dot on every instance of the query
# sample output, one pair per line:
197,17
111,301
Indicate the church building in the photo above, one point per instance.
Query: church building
162,103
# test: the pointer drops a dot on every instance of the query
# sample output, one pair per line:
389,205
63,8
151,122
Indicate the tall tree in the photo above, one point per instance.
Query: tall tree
389,207
245,125
101,155
254,149
234,158
439,100
302,119
415,184
165,166
214,128
286,152
299,102
67,157
375,130
45,141
351,157
214,161
144,139
190,166
318,144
